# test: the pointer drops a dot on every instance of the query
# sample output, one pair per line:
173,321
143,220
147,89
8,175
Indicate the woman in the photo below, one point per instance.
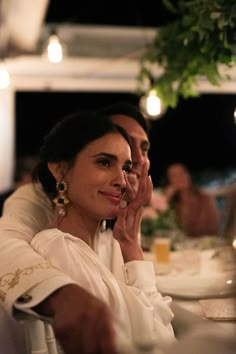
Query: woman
197,210
84,167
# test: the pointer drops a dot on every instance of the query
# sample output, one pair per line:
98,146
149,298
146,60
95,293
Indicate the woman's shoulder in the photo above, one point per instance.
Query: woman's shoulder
57,237
56,243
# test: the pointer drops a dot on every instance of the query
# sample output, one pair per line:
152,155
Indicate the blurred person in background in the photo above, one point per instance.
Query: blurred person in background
229,229
197,210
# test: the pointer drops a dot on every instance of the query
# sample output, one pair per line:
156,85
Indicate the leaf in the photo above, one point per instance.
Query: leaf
214,15
221,23
169,6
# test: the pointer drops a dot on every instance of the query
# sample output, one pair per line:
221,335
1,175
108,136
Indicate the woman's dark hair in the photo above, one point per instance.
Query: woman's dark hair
67,138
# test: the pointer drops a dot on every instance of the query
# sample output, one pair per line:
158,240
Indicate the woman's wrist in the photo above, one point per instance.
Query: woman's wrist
131,251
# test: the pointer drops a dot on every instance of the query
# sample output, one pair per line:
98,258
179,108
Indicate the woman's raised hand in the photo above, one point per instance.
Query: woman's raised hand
127,226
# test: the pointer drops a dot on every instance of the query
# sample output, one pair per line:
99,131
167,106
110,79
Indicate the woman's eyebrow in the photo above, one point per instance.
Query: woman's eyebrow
112,157
105,154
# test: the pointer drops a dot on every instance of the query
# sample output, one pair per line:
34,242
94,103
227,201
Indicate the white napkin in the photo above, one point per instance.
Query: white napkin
219,309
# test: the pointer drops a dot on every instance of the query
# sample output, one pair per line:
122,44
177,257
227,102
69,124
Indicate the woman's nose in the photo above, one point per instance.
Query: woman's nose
119,179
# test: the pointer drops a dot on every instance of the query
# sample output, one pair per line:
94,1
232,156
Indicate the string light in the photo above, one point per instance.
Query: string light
151,105
54,48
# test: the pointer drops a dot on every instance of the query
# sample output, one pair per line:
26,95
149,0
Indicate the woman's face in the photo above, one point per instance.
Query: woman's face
96,181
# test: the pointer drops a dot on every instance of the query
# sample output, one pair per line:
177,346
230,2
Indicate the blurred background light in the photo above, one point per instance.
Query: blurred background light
151,106
54,48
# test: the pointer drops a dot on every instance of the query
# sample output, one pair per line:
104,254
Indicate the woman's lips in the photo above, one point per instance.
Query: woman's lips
113,197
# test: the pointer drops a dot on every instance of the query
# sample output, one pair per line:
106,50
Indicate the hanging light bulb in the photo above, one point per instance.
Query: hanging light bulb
54,48
4,76
235,115
151,105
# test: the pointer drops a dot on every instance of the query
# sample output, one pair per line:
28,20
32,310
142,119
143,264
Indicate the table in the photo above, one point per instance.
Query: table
191,305
198,267
228,327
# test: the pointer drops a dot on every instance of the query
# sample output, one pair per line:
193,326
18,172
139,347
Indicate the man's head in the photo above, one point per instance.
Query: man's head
129,117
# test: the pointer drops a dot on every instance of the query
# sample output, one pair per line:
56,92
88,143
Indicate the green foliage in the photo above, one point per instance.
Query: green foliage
193,46
165,220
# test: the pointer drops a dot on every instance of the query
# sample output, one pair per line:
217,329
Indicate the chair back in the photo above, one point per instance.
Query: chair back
39,338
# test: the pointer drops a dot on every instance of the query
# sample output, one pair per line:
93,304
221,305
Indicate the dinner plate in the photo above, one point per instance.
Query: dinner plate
198,286
201,243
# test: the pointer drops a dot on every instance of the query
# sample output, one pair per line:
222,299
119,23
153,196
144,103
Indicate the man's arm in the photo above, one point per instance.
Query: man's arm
26,212
81,322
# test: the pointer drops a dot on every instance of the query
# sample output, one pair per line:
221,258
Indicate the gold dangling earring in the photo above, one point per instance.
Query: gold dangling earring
61,199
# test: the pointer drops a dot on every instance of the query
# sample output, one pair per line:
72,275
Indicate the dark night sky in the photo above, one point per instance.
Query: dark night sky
106,12
200,132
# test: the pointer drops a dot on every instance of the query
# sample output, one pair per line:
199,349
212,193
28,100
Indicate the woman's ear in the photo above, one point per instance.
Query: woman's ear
57,169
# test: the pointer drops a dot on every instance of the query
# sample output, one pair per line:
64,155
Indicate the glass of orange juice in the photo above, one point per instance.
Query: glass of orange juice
161,250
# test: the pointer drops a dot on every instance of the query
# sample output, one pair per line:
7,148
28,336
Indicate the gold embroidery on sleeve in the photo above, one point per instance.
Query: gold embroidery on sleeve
9,280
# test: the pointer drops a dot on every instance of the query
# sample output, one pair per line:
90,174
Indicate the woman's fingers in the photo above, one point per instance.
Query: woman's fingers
139,199
144,193
131,207
130,193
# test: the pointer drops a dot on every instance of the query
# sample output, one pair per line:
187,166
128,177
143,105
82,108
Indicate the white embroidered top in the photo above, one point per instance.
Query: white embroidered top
141,313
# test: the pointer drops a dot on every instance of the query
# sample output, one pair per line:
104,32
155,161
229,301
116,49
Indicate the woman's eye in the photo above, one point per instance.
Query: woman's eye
127,169
104,162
